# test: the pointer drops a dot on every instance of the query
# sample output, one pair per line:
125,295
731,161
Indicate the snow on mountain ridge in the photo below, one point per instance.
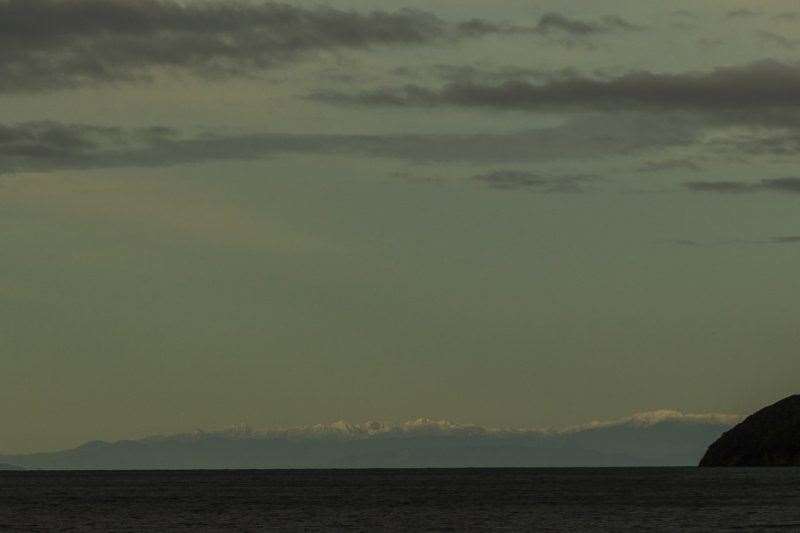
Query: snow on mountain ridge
651,418
342,429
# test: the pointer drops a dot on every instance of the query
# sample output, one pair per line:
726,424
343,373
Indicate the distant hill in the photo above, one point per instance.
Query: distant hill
769,437
663,438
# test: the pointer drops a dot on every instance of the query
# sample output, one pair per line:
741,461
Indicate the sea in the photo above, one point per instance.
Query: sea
549,499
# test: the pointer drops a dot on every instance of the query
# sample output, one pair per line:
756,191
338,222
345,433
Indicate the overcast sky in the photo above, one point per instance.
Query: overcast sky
509,213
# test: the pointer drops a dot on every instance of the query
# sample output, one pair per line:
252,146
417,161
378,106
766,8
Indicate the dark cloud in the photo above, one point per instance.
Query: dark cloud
760,86
781,185
550,24
555,22
54,44
50,44
472,73
514,180
50,145
518,179
669,164
793,239
270,26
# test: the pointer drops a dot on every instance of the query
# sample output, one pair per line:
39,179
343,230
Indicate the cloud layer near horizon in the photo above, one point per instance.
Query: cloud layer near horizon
764,85
779,185
44,146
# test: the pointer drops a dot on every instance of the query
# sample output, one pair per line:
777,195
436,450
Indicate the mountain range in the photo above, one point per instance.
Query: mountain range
659,438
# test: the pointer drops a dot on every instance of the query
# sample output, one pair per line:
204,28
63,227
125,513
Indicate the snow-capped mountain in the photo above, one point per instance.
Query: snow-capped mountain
653,439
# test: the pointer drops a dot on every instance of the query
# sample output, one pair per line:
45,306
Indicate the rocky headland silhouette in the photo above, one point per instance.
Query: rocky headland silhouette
769,437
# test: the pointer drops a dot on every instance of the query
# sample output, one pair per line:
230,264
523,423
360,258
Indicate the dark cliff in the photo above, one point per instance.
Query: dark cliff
769,437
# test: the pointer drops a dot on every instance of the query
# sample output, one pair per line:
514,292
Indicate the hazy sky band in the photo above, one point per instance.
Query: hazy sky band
512,215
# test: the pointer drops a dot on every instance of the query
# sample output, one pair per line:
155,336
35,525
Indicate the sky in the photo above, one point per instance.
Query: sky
513,214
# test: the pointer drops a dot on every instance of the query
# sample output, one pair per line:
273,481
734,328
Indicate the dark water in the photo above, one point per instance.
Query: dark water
669,499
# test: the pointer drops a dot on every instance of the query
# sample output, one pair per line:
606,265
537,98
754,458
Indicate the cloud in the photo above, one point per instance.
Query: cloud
556,22
719,186
551,24
517,180
42,146
781,185
788,16
778,40
778,135
736,242
669,164
475,73
741,14
52,44
760,86
684,13
53,145
56,44
480,27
